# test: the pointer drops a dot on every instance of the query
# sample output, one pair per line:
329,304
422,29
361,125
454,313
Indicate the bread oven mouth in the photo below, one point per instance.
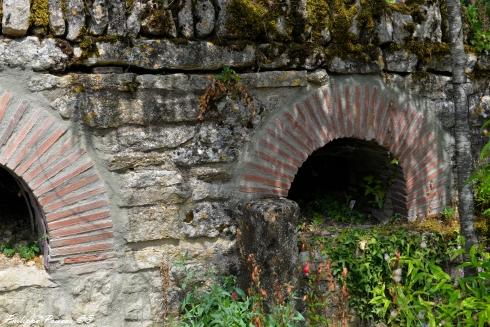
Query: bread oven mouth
22,229
350,181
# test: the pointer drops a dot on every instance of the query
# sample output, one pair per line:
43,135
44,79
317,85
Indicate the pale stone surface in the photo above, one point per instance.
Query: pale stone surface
31,53
205,17
430,28
400,61
163,54
24,276
15,18
186,20
153,223
117,18
75,17
346,66
134,19
99,16
56,17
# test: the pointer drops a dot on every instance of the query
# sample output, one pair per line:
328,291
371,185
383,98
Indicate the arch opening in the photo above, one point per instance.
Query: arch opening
350,181
22,226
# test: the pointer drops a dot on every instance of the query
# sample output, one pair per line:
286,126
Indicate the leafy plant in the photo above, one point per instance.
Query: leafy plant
426,295
478,15
7,250
29,251
374,187
367,255
448,213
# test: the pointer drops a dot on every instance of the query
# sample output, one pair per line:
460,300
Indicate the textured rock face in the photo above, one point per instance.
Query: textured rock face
267,238
126,79
15,21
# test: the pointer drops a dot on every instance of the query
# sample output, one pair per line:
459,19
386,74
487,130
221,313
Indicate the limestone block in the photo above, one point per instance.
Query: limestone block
164,54
208,219
152,223
13,278
134,19
348,66
32,53
272,221
400,23
15,20
400,61
75,17
99,16
430,28
117,18
205,17
56,17
186,20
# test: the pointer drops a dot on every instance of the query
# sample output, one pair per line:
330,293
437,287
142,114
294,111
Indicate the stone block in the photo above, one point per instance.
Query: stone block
15,18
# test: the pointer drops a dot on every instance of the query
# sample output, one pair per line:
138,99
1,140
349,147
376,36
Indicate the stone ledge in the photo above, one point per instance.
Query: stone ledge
23,276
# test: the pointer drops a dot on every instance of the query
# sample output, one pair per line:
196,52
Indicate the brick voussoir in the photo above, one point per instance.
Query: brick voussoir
68,250
76,210
79,219
81,228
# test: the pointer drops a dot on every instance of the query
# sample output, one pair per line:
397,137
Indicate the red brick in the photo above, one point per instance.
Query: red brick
357,110
287,131
276,162
330,113
4,102
101,236
299,153
64,178
275,149
348,111
67,189
78,220
19,137
80,229
81,249
308,129
13,122
87,258
317,119
371,112
53,170
270,171
265,181
412,129
39,151
263,191
66,201
77,210
409,120
339,112
301,130
65,150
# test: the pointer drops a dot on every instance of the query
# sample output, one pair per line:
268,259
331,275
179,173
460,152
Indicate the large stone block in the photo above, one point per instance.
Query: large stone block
164,54
15,19
267,238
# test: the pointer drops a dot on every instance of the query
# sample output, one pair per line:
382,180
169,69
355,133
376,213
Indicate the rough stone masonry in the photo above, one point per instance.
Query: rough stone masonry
99,111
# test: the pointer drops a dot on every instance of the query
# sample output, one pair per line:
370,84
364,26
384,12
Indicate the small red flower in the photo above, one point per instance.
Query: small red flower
306,269
234,296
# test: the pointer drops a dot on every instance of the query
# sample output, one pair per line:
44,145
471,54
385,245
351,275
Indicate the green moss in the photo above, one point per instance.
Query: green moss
39,13
249,19
425,51
318,13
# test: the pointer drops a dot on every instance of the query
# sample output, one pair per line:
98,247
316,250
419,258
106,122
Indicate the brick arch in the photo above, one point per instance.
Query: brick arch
70,195
365,110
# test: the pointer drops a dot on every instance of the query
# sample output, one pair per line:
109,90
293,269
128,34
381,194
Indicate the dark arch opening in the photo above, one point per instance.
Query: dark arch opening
22,226
350,181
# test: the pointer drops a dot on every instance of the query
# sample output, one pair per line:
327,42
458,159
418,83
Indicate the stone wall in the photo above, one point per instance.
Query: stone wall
123,80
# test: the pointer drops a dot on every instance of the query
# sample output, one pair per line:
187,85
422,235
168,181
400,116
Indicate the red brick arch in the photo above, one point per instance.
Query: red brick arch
62,178
363,110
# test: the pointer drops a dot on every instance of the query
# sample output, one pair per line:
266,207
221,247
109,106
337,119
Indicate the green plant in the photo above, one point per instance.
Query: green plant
448,213
7,249
478,15
423,294
374,188
28,251
367,254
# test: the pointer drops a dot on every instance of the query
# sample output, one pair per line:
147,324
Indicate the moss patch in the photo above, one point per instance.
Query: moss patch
250,19
39,13
425,51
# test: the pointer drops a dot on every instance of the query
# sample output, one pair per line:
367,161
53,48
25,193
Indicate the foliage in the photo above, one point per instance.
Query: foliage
481,190
224,304
367,254
226,83
374,188
424,294
325,207
25,251
478,16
